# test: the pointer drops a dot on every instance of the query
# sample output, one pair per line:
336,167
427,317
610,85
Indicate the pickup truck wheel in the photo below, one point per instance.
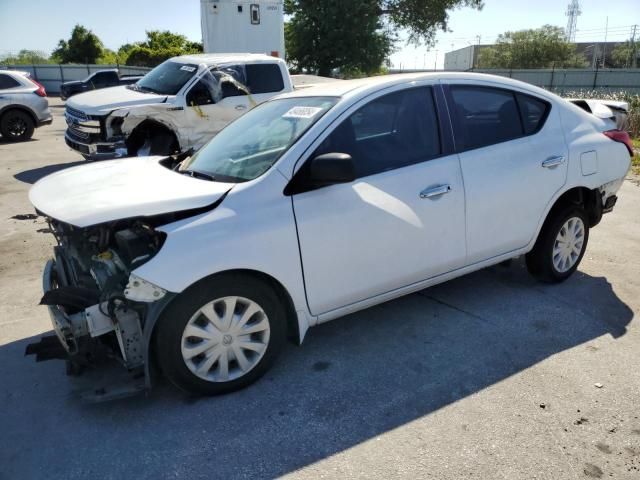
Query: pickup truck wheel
16,126
560,246
161,143
220,335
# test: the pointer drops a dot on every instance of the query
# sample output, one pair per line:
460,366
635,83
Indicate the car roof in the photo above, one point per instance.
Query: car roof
363,86
16,72
220,58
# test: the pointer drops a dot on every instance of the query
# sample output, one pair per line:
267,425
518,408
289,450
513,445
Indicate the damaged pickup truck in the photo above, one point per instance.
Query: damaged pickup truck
176,107
316,204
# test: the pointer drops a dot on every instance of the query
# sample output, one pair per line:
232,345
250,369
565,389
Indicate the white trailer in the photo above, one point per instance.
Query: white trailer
243,26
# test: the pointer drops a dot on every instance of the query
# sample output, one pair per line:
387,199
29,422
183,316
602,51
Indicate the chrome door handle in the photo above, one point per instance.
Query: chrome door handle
553,161
241,107
435,191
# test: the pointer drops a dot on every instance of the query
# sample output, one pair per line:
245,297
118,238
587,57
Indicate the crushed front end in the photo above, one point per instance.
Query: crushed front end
98,307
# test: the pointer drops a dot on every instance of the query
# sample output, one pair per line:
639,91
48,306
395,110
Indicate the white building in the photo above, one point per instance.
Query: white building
230,26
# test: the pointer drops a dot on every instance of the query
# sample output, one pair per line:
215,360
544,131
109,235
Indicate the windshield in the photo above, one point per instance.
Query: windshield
167,78
248,147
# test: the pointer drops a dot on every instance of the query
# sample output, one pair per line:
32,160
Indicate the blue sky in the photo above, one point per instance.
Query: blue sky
39,24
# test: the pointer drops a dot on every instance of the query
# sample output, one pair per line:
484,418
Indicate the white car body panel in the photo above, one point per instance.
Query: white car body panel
376,234
105,100
106,191
345,247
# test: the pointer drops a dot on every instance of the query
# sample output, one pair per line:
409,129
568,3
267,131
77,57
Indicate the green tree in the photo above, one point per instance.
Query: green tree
421,18
327,34
158,47
544,47
26,57
626,55
356,36
83,47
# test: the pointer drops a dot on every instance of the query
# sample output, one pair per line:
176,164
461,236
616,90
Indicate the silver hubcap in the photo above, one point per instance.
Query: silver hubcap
225,339
568,244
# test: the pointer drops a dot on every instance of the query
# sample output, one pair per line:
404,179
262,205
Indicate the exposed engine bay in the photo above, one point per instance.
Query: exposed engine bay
97,306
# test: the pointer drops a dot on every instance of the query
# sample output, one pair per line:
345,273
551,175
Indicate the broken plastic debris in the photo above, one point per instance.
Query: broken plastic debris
598,385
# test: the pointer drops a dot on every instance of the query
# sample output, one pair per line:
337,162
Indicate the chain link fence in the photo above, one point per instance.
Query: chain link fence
52,76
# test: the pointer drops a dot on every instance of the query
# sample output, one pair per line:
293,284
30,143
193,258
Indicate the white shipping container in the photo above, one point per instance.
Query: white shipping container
230,26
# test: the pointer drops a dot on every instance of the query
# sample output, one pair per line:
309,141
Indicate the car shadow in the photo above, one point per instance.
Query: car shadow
35,174
3,141
352,380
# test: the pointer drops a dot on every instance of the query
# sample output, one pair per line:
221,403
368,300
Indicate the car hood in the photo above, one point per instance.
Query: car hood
72,83
104,100
117,189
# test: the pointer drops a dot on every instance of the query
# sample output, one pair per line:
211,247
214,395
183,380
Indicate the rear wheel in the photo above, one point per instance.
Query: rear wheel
16,126
220,335
560,246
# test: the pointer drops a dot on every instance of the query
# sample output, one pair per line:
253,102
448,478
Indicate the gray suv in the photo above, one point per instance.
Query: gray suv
23,106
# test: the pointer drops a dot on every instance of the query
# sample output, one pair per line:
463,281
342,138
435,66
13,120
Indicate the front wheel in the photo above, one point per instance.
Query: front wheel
560,246
220,335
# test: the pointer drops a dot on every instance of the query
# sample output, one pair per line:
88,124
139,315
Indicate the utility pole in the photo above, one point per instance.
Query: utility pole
604,51
634,57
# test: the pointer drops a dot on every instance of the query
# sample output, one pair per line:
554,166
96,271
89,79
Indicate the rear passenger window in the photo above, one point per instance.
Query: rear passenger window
390,132
7,82
485,116
264,78
533,112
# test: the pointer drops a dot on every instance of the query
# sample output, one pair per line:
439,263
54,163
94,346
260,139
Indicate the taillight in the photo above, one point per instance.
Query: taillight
622,137
40,91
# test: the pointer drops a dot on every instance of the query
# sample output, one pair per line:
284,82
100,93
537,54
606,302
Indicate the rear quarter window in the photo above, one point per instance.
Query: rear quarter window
7,82
534,112
264,78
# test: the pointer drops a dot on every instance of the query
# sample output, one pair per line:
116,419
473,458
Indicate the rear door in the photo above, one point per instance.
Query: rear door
401,221
10,90
514,159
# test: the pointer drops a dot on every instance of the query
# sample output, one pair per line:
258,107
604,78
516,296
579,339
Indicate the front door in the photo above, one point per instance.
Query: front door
401,221
211,104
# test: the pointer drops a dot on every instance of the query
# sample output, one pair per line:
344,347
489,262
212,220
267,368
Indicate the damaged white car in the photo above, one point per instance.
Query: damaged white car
176,107
313,205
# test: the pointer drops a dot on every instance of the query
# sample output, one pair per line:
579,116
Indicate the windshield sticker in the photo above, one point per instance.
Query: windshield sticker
187,68
302,112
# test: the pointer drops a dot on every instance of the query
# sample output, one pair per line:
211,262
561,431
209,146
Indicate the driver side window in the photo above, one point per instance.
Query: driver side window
392,131
200,94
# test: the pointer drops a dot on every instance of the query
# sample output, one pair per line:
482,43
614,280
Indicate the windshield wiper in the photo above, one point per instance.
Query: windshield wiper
199,174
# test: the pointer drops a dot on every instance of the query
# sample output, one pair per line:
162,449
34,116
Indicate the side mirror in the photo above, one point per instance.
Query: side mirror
332,168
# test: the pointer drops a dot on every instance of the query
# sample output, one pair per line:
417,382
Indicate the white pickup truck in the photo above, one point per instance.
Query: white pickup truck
176,107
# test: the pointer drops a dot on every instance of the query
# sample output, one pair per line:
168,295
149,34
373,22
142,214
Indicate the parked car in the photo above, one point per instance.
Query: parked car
176,107
23,106
95,81
314,205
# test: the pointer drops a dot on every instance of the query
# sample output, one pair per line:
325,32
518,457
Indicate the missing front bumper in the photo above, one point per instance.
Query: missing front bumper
79,340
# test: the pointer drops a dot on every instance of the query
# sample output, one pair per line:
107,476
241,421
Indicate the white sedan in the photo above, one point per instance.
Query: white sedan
313,205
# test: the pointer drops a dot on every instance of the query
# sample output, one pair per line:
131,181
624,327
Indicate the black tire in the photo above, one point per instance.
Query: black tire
171,325
16,126
540,260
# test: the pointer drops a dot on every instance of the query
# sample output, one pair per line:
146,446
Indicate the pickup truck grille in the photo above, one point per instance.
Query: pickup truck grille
82,126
